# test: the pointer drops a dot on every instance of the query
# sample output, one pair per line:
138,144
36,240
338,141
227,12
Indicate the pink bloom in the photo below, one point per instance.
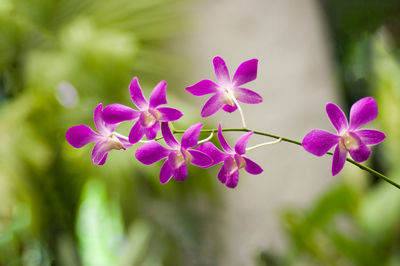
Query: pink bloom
233,160
79,136
349,138
149,114
178,156
226,91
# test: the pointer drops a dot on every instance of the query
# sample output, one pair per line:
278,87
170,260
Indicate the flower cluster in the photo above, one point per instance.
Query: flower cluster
149,116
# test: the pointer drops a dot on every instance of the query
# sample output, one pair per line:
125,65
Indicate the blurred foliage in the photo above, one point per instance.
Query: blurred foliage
357,222
58,60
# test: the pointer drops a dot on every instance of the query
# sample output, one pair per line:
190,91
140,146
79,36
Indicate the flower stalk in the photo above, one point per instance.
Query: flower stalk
292,141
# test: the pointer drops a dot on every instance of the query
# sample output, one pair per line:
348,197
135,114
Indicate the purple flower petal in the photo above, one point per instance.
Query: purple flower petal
104,160
362,112
203,87
152,131
361,154
212,106
165,172
221,71
158,95
223,173
137,94
115,113
179,169
215,154
151,152
319,142
247,96
370,136
181,173
232,179
227,169
246,72
240,146
191,136
339,158
252,167
337,117
136,133
100,150
200,159
168,136
98,120
229,108
222,141
79,136
169,114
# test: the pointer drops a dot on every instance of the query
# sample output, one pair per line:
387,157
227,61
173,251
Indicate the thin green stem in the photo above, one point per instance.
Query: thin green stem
361,166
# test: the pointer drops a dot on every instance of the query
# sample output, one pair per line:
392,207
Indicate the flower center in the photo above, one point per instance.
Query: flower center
181,156
149,117
236,163
227,98
114,143
349,142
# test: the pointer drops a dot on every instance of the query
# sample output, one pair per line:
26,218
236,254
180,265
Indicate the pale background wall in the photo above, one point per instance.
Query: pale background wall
295,78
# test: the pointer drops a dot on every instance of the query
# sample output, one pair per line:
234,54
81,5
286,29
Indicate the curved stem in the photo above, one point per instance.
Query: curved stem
361,166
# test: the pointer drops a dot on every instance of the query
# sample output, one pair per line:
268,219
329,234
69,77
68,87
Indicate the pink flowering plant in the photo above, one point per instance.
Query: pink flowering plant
149,116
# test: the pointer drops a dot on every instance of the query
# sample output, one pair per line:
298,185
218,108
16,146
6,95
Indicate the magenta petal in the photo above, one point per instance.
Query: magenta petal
200,159
319,142
221,71
180,173
115,113
361,154
240,146
246,72
229,108
151,152
152,131
100,150
232,179
362,112
165,172
98,120
212,106
247,96
222,141
158,95
227,170
252,167
191,136
168,136
337,117
104,160
222,174
79,136
215,154
169,114
370,136
137,94
136,133
203,87
339,158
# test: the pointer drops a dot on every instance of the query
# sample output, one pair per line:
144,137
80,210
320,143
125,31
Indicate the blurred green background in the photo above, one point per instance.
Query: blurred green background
59,59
